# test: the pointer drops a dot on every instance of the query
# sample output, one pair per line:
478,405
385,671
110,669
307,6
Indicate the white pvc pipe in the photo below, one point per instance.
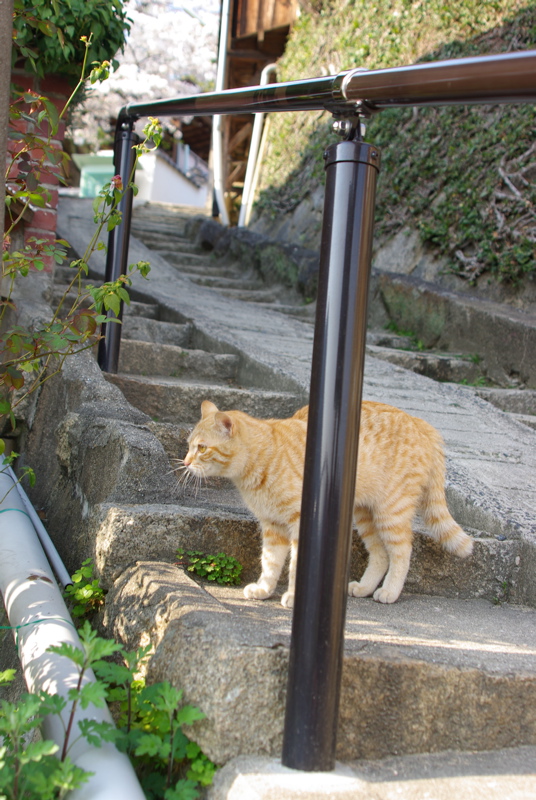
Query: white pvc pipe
47,544
251,169
217,120
39,617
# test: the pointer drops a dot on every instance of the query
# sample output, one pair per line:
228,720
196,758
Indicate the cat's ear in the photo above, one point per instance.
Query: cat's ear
207,408
224,423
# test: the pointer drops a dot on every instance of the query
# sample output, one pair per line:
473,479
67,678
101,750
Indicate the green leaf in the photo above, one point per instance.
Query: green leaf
167,698
112,303
96,205
187,715
30,474
36,751
7,675
90,693
74,654
52,703
109,673
98,732
184,789
37,199
151,744
124,295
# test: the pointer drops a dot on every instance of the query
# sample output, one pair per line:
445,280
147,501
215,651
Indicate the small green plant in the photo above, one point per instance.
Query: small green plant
394,328
219,568
481,381
6,460
417,344
149,729
31,769
86,593
502,594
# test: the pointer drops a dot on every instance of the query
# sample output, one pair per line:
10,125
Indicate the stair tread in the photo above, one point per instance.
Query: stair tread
461,634
163,380
197,270
421,675
221,282
491,774
177,253
248,295
176,361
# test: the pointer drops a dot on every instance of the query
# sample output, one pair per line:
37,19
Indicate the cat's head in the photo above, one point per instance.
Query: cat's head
213,443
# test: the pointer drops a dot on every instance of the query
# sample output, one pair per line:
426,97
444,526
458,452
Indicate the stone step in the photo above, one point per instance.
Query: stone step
451,368
519,404
63,275
306,313
127,533
196,270
423,675
173,361
176,401
175,224
139,309
490,774
157,331
515,401
181,259
217,282
525,419
252,295
386,338
183,246
171,239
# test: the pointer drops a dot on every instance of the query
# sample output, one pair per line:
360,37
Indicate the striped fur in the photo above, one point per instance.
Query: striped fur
401,470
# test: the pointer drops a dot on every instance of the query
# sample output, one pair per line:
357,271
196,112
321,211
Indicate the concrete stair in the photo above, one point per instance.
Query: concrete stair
228,279
450,667
160,229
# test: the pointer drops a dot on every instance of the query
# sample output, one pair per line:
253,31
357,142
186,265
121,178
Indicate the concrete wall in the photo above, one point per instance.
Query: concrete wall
159,181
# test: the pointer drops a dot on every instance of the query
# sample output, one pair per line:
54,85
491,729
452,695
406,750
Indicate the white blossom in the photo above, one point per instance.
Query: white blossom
171,51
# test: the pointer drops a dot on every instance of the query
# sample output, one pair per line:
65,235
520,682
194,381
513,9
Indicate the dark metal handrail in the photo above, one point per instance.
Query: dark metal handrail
504,78
335,398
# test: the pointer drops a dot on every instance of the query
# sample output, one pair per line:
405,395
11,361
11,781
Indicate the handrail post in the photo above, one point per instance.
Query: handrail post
317,642
118,240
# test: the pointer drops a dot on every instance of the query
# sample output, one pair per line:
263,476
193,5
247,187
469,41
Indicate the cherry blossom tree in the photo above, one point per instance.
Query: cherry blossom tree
171,51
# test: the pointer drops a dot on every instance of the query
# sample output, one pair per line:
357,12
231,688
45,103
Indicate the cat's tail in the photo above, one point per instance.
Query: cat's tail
434,510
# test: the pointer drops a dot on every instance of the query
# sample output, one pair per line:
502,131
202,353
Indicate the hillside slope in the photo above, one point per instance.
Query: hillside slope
462,178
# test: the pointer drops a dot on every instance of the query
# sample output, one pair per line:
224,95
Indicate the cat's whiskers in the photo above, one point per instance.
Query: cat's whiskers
190,477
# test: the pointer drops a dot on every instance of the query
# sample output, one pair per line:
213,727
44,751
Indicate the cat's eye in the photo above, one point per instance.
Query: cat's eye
201,448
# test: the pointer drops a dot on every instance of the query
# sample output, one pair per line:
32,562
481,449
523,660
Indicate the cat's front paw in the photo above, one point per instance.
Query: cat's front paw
288,600
255,592
386,595
356,590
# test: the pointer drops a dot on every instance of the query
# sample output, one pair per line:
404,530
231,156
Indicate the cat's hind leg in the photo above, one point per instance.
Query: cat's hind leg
378,561
397,536
275,547
288,598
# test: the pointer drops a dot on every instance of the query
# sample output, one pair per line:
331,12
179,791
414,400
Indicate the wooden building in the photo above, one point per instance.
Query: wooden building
258,33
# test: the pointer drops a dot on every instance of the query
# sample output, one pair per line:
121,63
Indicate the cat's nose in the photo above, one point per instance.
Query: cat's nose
187,460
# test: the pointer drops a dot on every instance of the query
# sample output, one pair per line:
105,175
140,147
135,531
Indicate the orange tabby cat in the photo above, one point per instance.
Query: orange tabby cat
401,470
